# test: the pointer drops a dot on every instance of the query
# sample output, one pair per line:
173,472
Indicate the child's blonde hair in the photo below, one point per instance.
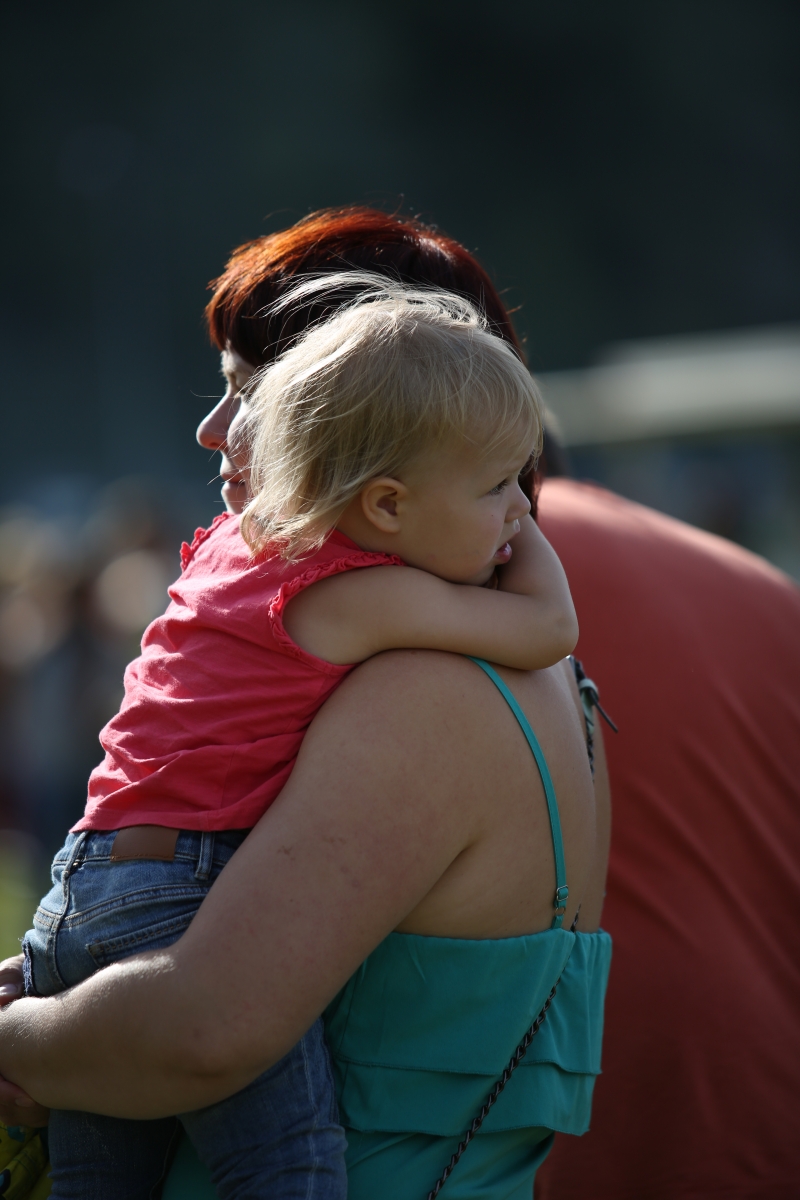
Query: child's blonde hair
396,371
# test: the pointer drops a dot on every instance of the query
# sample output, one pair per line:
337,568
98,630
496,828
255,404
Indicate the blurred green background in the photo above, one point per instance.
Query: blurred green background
626,171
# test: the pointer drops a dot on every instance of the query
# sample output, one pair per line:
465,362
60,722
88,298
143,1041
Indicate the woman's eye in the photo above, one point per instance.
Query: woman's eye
500,487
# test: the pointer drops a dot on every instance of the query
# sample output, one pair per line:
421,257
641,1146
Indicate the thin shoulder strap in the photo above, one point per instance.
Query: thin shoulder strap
562,891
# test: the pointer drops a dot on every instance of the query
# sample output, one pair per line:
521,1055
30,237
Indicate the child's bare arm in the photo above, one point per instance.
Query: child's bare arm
528,623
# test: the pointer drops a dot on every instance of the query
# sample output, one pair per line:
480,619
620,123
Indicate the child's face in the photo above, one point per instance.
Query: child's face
461,510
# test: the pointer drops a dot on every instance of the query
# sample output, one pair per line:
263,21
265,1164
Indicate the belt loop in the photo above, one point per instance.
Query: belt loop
205,859
76,854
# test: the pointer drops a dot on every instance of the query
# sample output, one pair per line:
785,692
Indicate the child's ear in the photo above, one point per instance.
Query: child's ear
382,501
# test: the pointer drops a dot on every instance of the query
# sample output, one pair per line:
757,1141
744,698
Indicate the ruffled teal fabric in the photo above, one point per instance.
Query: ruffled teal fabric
421,1032
419,1036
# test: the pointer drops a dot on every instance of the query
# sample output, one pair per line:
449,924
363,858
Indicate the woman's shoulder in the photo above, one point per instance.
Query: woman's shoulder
434,683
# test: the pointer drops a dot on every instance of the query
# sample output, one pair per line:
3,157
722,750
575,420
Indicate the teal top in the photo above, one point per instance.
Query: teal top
425,1027
422,1031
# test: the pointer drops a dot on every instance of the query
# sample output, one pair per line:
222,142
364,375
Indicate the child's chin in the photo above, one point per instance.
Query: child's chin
486,578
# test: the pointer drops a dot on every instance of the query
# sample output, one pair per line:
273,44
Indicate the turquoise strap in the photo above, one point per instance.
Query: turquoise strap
562,891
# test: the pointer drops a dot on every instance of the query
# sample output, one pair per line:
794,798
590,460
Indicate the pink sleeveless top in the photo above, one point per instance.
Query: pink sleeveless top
217,704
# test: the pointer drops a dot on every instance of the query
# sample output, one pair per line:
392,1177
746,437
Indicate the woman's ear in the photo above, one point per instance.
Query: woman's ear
382,502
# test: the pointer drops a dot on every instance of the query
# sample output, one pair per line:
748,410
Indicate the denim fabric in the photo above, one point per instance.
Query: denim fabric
92,1156
98,911
279,1137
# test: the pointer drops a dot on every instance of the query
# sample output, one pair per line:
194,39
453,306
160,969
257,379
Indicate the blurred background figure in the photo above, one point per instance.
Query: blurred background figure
81,574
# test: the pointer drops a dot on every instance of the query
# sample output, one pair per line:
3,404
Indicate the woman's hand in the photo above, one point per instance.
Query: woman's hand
16,1107
11,981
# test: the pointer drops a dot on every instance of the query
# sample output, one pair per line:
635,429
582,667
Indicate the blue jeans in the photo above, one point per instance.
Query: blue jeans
278,1138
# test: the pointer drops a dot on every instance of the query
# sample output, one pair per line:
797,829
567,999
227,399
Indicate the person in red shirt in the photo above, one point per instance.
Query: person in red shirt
695,644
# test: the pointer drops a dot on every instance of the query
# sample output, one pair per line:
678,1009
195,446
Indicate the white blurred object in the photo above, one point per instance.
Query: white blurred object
132,590
672,386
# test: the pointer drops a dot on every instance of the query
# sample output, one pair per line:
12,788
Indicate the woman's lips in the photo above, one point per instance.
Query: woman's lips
504,553
234,494
231,487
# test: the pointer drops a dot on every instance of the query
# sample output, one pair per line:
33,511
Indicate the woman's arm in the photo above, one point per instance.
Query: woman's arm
528,623
349,848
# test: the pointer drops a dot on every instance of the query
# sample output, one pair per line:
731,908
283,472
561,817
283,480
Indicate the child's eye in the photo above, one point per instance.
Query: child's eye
500,487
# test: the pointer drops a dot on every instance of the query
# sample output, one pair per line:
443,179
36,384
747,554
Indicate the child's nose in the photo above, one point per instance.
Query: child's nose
519,505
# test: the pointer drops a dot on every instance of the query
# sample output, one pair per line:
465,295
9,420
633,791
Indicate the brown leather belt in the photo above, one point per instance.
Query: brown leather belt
145,841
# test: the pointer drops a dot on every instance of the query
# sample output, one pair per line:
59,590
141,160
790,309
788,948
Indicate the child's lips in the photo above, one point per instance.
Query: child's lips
504,553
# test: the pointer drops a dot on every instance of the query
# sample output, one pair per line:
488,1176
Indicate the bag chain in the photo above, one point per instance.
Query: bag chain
516,1059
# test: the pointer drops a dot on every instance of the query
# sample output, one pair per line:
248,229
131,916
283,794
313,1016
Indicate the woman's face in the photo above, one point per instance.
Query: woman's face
212,432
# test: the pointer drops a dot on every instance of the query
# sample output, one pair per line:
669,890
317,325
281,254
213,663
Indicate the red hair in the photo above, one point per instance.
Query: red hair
336,239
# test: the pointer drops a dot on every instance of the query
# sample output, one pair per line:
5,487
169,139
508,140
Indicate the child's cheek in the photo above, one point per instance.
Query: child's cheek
493,525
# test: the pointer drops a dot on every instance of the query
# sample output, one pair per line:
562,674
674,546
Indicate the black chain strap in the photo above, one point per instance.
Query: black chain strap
516,1059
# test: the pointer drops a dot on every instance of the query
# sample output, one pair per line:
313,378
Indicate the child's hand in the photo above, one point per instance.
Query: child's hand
531,558
536,573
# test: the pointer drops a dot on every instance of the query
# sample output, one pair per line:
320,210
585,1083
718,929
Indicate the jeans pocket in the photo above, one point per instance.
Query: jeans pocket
152,935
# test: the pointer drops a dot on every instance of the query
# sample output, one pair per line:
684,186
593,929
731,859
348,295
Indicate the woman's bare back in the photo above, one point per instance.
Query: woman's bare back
502,884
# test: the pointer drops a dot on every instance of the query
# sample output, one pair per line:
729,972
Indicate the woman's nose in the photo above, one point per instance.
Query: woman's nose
212,432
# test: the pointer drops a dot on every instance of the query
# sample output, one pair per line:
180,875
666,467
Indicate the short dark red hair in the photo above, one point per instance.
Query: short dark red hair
337,239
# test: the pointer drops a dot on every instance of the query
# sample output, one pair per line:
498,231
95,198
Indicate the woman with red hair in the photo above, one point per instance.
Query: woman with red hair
418,898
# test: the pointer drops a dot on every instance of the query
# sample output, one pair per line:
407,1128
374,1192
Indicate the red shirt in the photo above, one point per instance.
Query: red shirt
217,704
695,646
